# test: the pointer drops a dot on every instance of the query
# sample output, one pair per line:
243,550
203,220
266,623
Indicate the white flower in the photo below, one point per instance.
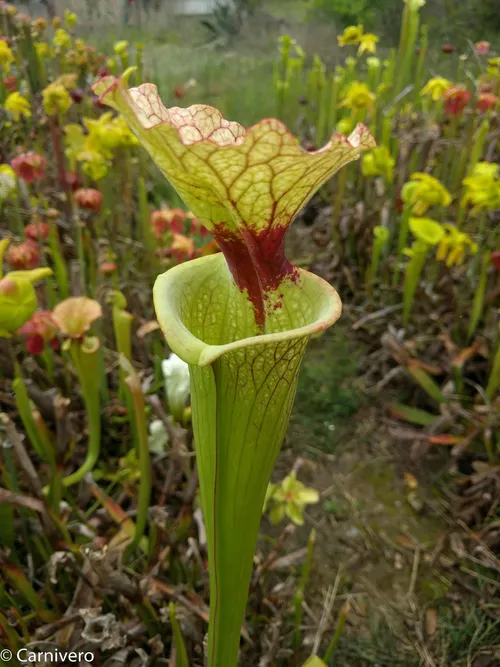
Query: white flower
176,374
158,437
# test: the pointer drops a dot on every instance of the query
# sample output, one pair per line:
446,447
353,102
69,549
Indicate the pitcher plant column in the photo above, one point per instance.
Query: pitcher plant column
240,319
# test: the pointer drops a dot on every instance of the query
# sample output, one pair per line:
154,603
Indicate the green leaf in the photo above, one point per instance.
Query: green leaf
314,661
427,383
412,415
181,658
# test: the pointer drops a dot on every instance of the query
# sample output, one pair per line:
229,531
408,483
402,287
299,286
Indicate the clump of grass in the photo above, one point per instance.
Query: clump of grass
467,634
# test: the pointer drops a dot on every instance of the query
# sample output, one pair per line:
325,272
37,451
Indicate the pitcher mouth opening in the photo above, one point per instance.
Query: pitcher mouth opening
203,315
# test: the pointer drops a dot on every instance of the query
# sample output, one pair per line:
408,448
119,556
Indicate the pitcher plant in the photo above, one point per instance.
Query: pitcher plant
242,318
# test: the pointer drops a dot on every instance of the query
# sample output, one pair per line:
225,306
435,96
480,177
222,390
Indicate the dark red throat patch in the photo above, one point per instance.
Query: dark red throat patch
257,263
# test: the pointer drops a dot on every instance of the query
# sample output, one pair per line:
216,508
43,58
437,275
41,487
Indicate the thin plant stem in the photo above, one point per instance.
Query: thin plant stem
85,357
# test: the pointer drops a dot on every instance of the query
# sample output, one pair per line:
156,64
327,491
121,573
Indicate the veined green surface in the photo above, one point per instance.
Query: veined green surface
243,386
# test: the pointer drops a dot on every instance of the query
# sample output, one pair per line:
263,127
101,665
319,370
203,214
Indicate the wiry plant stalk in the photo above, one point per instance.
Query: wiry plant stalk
134,385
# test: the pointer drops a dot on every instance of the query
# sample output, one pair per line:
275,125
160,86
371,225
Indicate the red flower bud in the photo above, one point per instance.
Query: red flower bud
39,330
89,198
8,287
73,180
447,48
10,82
482,47
174,218
29,167
495,259
34,345
77,95
35,231
486,101
107,268
457,99
24,256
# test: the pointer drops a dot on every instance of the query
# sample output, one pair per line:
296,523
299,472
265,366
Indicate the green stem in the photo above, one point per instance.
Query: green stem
299,593
145,484
479,294
494,379
80,250
412,276
402,240
85,357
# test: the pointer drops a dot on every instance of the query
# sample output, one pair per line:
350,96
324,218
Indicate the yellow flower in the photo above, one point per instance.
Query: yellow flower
56,99
482,187
120,47
368,43
81,148
289,498
426,230
112,65
17,106
79,45
494,65
61,40
106,134
381,234
8,181
95,149
70,19
373,62
436,88
6,56
423,191
345,126
43,50
358,96
453,246
378,162
40,24
351,35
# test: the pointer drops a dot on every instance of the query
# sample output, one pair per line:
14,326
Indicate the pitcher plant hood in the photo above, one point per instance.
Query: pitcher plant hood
245,186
